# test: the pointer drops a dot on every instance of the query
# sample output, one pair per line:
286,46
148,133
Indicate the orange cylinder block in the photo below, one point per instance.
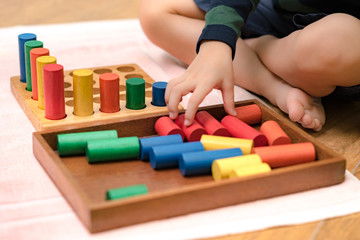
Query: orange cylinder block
250,114
286,155
211,124
109,92
274,133
34,54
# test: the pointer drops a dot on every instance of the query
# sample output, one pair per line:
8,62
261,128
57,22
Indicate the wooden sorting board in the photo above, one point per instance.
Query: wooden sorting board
37,116
170,194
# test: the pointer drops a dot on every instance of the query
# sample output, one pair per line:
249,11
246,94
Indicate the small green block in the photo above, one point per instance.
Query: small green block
125,192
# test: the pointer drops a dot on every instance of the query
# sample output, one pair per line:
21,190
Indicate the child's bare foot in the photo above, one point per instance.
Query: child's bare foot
302,108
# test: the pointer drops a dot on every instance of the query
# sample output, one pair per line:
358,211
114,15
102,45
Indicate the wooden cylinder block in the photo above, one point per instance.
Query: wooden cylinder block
165,126
83,92
239,129
218,142
192,132
28,46
22,38
54,91
222,168
34,54
250,170
250,114
274,133
211,125
109,92
40,63
286,155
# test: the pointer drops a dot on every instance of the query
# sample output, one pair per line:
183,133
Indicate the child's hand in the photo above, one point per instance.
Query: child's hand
211,68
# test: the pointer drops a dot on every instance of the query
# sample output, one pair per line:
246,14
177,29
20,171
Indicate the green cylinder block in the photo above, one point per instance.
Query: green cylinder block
124,192
112,149
28,46
75,143
135,93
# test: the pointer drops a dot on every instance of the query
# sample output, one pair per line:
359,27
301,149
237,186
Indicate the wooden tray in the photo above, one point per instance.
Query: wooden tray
170,194
37,116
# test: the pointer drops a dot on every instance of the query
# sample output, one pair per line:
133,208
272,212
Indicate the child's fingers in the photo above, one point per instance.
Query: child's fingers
228,97
197,97
175,97
171,84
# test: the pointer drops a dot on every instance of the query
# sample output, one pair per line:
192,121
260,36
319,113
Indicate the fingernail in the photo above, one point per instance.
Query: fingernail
186,122
171,115
235,113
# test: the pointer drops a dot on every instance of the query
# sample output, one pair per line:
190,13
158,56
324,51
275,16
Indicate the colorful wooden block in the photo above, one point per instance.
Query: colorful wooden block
83,92
199,163
158,94
240,129
147,143
286,155
274,133
28,46
135,93
218,142
54,91
222,168
22,38
34,54
165,126
192,132
40,63
167,156
250,114
109,92
211,125
114,149
125,192
250,170
75,143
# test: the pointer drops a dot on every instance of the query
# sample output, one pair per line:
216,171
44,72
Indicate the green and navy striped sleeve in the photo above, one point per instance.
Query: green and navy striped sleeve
224,20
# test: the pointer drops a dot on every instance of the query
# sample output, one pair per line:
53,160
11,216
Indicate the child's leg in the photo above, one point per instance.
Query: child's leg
175,26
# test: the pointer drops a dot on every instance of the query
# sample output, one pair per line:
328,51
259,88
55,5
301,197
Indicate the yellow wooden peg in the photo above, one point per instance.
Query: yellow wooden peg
221,168
211,142
83,92
40,63
250,170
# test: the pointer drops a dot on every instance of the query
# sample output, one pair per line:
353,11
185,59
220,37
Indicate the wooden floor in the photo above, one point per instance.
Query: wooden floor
341,132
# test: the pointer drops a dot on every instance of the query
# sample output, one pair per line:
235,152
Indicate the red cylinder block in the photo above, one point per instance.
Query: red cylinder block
250,114
274,133
239,129
109,93
192,132
286,155
54,91
165,126
34,54
211,125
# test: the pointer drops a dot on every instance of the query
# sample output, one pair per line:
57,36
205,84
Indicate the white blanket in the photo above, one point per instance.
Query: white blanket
31,207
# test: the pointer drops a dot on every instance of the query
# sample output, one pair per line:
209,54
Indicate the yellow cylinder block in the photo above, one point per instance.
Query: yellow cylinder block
222,168
40,63
211,142
250,170
83,92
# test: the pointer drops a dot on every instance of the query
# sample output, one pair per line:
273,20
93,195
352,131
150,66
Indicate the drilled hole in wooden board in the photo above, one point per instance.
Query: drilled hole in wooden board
96,90
126,69
102,70
148,85
122,96
71,74
133,75
68,94
148,94
122,88
67,84
69,103
96,99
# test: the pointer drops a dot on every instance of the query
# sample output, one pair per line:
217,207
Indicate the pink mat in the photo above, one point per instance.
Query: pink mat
31,207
